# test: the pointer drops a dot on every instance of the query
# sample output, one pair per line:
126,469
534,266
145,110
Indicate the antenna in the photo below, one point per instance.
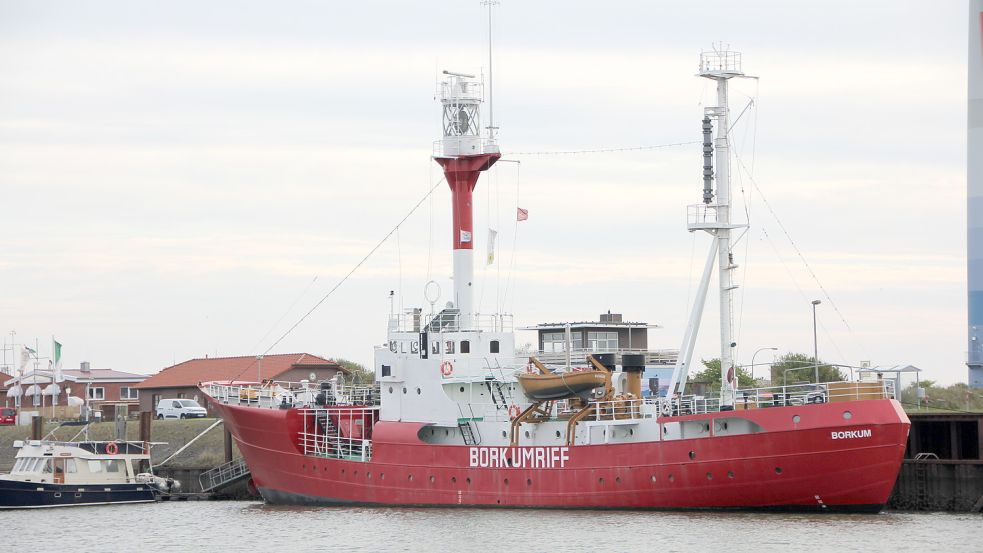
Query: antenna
491,98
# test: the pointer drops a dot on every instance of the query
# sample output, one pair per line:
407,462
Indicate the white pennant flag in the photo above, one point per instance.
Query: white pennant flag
492,234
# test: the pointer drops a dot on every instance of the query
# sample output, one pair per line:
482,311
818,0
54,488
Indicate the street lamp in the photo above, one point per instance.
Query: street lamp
755,355
815,340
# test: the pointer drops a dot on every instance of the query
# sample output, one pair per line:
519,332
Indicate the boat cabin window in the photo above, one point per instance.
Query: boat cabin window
70,466
449,346
46,466
35,465
113,465
95,466
493,346
465,346
19,465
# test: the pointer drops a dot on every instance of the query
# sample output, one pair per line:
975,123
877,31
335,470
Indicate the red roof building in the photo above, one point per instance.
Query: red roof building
181,380
106,390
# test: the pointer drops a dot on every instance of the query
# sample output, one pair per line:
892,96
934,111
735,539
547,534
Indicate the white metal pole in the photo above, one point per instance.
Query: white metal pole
678,382
727,389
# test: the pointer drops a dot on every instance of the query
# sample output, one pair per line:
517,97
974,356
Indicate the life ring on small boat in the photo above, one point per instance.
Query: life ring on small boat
446,368
112,448
514,412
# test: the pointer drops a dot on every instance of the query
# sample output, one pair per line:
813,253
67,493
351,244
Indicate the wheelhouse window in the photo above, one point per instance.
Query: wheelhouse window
449,347
465,346
493,346
97,393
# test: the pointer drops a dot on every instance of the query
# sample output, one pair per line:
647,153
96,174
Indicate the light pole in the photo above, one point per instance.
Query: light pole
815,340
259,370
755,355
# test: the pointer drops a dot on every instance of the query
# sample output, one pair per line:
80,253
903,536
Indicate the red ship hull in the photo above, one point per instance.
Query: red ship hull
817,461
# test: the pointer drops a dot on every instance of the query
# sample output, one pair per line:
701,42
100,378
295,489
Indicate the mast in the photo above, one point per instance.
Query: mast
974,190
713,216
464,154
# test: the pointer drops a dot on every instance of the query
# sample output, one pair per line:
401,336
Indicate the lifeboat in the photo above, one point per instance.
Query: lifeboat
554,386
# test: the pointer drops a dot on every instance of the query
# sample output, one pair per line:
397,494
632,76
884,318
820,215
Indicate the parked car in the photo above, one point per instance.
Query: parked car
180,409
8,415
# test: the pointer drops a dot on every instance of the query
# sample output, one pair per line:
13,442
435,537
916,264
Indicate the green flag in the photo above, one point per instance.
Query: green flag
56,353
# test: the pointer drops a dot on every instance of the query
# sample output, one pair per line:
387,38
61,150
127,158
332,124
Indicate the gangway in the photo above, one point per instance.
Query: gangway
223,475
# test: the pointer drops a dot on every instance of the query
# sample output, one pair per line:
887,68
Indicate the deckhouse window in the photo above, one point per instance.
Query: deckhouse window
603,341
465,346
556,342
449,347
493,346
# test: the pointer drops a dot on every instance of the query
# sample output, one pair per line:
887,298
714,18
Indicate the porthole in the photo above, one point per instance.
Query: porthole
730,474
505,434
453,480
557,433
665,430
462,389
527,433
672,478
304,467
467,480
653,479
617,480
631,432
431,431
706,427
778,470
600,481
724,426
404,389
355,473
418,391
410,478
368,475
390,389
447,432
796,419
382,476
692,455
342,471
529,481
847,415
506,481
433,479
709,476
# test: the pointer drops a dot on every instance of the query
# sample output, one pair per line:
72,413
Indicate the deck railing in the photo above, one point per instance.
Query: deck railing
321,436
282,395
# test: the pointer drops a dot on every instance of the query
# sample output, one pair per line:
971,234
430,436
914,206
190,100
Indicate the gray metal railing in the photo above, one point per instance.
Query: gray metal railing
223,475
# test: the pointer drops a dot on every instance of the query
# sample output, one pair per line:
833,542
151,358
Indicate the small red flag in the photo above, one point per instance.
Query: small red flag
521,214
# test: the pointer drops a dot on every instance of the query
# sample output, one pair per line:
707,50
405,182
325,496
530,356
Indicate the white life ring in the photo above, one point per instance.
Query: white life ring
446,368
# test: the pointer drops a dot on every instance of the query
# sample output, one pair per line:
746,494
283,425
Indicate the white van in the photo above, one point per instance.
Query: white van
180,409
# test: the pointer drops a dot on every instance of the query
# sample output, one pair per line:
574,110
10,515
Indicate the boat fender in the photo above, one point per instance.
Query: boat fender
514,412
446,368
112,448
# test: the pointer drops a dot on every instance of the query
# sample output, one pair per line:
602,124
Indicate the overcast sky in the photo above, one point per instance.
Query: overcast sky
188,178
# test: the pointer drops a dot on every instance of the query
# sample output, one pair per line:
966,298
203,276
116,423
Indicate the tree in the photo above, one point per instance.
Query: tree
711,374
359,375
800,367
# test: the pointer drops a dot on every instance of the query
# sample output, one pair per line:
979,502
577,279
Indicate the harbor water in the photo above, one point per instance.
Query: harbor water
252,526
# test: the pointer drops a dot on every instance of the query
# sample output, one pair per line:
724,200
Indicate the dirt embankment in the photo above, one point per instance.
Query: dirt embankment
207,452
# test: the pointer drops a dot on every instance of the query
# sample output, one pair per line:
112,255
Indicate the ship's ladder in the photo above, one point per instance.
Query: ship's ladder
468,432
497,390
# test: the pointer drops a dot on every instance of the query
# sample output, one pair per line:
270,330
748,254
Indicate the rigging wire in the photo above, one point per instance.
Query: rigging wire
285,313
515,235
605,150
358,265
